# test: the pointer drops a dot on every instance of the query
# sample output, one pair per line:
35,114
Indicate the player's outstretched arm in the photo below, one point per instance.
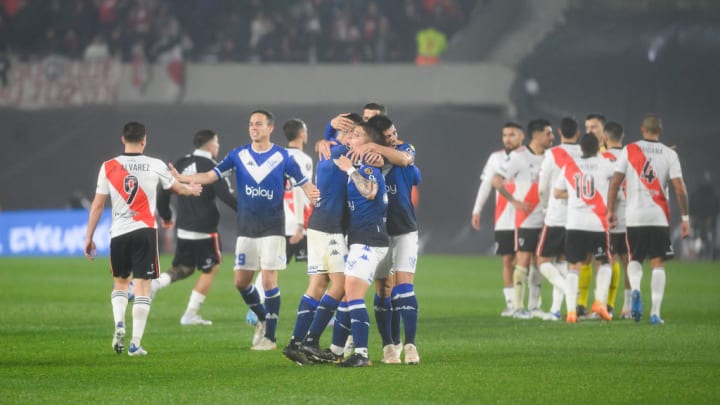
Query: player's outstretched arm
93,219
193,188
682,199
205,178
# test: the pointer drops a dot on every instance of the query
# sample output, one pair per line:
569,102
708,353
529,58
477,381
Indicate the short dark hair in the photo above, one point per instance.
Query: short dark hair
134,132
292,128
596,116
372,133
270,117
537,125
381,122
376,107
202,137
589,144
354,117
511,124
652,123
614,131
568,127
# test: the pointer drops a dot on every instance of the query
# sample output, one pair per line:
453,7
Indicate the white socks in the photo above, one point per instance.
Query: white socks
535,283
140,312
602,283
519,282
550,272
571,290
657,285
196,299
635,273
508,293
119,301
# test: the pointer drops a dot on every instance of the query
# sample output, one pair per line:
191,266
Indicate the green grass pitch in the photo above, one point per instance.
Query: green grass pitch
56,327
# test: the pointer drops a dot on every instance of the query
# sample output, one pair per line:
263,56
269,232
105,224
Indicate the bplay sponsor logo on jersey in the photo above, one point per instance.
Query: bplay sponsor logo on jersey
391,188
259,192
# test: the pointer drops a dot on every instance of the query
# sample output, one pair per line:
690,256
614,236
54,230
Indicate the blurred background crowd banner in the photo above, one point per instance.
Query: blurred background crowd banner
451,73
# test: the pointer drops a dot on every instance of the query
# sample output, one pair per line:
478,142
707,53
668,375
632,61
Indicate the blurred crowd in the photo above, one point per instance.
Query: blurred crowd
305,31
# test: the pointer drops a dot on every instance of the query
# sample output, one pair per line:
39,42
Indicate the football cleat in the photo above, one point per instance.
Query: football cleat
636,306
136,350
118,342
507,312
522,314
356,360
293,353
655,320
552,316
581,311
571,317
601,309
538,313
390,355
316,354
259,332
264,344
194,319
411,354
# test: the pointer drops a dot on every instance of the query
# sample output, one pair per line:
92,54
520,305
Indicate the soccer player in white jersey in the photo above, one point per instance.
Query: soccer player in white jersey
582,182
261,168
131,181
614,134
512,138
521,169
648,166
297,205
552,239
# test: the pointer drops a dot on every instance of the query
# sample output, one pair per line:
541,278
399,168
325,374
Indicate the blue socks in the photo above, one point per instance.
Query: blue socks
341,330
408,308
395,321
252,299
383,317
324,313
305,315
272,307
359,323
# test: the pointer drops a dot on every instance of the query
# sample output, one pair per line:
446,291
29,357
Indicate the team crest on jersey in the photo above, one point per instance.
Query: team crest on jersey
368,170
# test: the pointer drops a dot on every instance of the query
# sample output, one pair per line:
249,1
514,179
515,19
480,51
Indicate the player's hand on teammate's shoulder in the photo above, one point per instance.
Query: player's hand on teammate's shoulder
322,148
374,159
359,152
195,188
342,123
343,163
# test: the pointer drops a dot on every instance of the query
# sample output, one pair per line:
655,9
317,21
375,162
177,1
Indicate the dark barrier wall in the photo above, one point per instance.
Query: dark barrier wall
48,155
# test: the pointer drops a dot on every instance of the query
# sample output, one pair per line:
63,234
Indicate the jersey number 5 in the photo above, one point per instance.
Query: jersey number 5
584,186
131,186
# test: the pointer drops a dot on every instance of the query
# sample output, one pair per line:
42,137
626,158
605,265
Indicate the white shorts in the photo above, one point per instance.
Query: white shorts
326,252
266,253
402,255
362,261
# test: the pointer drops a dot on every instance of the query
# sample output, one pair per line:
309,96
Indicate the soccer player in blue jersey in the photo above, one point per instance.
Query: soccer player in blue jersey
395,296
326,257
367,238
343,122
260,171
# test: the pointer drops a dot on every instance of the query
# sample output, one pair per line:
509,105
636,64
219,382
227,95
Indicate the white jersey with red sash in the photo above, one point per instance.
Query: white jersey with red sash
587,181
555,160
131,181
613,154
306,167
504,212
648,167
522,169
